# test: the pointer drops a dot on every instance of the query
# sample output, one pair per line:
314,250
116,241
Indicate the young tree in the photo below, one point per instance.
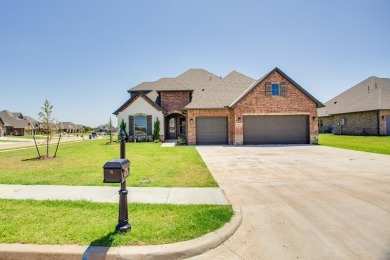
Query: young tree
47,121
110,124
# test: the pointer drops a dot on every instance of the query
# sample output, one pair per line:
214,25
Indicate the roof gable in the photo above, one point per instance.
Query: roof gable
132,99
262,79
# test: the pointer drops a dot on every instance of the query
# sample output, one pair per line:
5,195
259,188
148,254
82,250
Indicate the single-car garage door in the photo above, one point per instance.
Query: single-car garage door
211,130
276,129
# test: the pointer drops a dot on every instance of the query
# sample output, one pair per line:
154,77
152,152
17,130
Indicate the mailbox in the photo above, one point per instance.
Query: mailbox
116,171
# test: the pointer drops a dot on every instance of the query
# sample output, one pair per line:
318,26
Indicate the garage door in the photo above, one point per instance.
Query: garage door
211,130
276,129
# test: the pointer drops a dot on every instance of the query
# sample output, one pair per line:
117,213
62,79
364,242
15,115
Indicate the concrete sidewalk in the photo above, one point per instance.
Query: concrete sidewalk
212,196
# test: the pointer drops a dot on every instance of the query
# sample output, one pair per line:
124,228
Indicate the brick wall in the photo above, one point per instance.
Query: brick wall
174,101
294,102
327,124
193,114
359,123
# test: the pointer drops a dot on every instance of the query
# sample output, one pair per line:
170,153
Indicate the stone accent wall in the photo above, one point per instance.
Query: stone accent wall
174,101
193,114
295,102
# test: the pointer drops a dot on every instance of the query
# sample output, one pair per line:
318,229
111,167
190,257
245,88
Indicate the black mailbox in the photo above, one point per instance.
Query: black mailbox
116,171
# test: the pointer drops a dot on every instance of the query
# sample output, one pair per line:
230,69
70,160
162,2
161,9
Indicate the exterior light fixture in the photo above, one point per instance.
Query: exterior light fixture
314,118
383,117
239,119
191,120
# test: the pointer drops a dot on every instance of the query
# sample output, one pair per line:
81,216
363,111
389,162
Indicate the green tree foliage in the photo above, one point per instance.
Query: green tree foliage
156,131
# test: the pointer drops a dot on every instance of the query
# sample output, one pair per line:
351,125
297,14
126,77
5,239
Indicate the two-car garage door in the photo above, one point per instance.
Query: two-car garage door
283,129
276,129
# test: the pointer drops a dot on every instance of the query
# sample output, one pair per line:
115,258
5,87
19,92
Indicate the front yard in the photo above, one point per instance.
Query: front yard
372,144
87,223
82,163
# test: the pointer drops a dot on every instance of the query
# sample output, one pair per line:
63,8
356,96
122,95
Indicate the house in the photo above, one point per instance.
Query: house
1,128
69,127
207,109
105,129
15,123
364,109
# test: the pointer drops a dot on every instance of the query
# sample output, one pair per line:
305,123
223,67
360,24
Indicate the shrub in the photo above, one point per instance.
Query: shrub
181,141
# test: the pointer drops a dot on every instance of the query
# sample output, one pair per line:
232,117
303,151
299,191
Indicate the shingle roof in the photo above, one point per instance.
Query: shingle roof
371,94
223,93
12,119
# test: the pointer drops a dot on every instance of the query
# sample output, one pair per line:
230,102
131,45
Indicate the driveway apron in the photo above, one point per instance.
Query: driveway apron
303,202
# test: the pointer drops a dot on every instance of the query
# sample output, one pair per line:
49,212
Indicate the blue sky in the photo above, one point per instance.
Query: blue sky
83,56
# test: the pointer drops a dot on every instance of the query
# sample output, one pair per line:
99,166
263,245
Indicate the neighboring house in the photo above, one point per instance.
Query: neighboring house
15,123
1,128
364,109
105,129
207,109
69,127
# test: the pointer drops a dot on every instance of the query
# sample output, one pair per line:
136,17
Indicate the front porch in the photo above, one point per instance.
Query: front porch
175,126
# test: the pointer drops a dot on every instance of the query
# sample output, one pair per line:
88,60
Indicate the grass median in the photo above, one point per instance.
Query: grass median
87,223
81,163
372,144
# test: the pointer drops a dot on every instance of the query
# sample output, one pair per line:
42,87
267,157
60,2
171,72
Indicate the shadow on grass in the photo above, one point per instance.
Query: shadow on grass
98,248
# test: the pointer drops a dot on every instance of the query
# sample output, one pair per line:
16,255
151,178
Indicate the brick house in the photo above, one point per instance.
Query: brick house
14,123
364,109
207,109
1,128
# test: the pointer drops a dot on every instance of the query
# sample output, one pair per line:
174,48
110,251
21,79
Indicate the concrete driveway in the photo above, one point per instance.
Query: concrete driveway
303,202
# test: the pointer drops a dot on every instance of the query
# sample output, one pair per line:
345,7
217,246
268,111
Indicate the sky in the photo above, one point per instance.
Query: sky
83,56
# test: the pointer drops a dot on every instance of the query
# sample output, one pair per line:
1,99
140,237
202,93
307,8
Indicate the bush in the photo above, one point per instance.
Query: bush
181,141
156,141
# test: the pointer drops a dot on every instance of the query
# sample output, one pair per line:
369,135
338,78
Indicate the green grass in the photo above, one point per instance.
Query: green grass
86,223
372,144
81,163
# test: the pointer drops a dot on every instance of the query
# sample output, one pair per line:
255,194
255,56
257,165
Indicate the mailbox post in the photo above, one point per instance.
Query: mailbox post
116,171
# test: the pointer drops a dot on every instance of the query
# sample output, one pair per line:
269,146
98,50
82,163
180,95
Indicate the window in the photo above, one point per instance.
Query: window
182,125
275,89
141,125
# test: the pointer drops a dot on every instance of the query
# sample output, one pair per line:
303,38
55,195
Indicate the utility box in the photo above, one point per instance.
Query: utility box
116,171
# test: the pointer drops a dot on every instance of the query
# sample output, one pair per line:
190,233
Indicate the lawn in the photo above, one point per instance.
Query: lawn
81,163
86,223
372,144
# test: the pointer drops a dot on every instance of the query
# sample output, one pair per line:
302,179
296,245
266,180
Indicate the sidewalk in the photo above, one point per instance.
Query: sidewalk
212,196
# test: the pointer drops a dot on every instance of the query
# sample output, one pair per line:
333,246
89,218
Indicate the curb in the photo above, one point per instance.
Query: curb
178,250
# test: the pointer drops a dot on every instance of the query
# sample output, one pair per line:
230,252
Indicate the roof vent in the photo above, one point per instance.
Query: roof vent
335,102
202,89
368,89
210,78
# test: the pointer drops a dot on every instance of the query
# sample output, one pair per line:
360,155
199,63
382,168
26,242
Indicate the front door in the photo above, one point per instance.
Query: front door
172,128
